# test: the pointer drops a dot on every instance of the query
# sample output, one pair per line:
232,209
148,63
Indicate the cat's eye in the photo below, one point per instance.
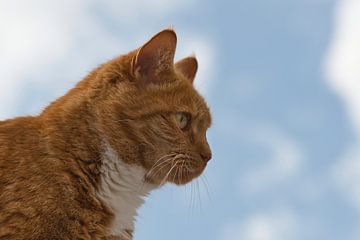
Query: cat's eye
183,120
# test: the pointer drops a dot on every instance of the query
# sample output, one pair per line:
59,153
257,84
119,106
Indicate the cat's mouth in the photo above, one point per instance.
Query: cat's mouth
179,169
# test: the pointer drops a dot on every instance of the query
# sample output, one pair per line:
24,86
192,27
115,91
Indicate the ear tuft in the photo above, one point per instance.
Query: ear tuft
155,57
188,67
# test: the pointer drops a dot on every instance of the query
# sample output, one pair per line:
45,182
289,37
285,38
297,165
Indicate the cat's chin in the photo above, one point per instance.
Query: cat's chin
189,177
179,178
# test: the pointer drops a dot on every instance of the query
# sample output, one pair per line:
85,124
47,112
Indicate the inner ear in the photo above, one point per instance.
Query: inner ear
155,57
187,67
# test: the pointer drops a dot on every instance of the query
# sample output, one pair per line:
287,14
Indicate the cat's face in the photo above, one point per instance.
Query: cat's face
157,119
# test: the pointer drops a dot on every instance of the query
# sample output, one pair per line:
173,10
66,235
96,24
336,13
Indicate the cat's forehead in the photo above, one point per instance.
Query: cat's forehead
182,96
175,95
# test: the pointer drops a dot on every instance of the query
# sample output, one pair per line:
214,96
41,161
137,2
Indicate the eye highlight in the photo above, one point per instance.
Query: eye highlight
183,119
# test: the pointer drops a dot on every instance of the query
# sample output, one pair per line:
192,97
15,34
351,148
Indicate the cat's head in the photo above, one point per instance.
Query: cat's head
151,114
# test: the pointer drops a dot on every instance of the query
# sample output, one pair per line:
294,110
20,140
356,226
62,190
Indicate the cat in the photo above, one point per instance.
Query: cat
82,167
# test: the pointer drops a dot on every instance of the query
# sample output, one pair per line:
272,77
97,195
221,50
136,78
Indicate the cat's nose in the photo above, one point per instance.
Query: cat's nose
206,156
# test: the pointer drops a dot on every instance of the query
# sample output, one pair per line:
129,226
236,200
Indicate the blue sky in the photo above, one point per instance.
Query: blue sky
281,77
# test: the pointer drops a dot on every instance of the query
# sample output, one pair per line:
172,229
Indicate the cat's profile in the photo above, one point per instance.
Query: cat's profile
81,169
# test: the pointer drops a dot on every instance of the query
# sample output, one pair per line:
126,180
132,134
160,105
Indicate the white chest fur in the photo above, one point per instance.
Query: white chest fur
123,190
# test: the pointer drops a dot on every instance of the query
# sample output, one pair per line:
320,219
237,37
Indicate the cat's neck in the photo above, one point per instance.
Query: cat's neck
70,122
69,134
119,185
68,126
122,189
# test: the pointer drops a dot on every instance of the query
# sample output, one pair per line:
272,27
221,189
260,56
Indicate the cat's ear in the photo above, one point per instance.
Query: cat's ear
188,67
155,57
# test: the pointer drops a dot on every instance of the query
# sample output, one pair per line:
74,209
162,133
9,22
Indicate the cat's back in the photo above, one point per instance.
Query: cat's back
28,200
19,138
39,197
19,148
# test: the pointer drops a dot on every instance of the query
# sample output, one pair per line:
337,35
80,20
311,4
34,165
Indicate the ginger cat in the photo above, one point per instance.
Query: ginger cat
82,168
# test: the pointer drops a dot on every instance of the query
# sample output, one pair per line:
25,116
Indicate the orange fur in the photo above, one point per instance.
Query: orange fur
50,165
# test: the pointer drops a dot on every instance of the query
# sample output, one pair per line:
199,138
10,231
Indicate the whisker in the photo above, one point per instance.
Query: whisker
182,171
158,163
198,194
207,187
163,165
169,172
177,170
160,167
192,199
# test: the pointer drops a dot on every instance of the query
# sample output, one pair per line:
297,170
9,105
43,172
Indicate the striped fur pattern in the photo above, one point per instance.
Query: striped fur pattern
82,168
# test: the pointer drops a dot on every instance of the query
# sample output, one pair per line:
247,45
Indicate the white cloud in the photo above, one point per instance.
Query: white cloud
342,66
346,173
204,52
263,226
34,36
284,161
128,11
343,60
39,36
